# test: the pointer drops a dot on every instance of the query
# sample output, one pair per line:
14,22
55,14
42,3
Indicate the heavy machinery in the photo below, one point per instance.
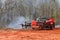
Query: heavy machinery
46,23
42,23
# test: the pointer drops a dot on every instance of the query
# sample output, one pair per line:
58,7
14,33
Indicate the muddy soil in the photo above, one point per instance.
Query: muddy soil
29,34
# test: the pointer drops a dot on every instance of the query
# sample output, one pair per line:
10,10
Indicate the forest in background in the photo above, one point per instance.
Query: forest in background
10,9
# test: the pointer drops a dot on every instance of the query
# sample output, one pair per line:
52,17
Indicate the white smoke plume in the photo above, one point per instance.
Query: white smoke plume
16,23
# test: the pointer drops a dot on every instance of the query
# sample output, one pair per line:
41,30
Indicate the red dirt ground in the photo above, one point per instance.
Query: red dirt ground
30,34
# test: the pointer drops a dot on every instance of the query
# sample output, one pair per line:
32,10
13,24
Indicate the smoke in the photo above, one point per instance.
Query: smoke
15,24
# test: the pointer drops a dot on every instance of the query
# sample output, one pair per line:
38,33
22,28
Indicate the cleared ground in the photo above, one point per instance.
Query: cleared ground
30,34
